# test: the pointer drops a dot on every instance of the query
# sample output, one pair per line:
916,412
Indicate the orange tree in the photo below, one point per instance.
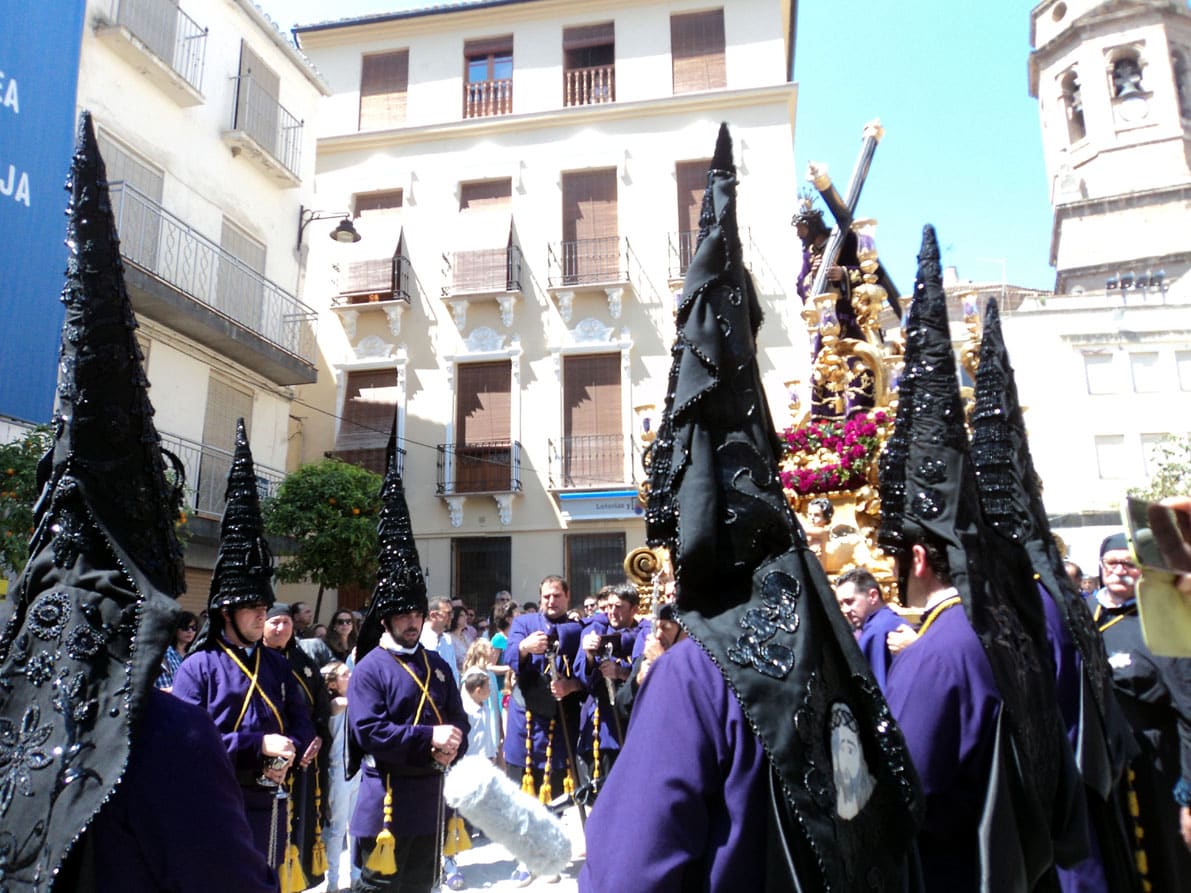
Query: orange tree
327,513
18,492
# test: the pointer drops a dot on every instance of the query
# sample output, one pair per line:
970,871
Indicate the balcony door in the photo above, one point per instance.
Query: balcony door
692,182
137,204
225,404
593,438
483,444
591,245
240,289
258,112
369,403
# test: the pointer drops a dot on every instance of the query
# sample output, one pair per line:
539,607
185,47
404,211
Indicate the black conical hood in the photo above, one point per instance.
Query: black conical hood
243,572
1011,497
400,586
993,576
94,609
748,589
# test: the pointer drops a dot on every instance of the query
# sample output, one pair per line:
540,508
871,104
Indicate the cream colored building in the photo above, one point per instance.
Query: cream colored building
527,179
1105,364
204,114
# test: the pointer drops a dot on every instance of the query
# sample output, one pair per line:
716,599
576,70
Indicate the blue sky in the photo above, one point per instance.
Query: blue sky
962,146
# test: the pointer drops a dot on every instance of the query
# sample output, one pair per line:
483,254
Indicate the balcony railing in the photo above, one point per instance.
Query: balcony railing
589,86
372,459
589,261
168,33
368,281
161,244
591,460
489,467
682,250
486,270
206,473
258,114
483,99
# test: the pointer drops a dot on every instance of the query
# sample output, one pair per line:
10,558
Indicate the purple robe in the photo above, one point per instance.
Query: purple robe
942,694
531,672
383,719
587,670
876,626
213,682
176,821
685,808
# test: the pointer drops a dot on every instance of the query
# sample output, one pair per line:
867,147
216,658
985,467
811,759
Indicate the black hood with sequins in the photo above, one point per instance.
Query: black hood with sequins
750,592
94,609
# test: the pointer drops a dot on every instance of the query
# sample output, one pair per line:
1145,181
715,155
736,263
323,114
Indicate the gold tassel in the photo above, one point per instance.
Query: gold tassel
293,879
527,776
457,839
383,859
546,794
318,855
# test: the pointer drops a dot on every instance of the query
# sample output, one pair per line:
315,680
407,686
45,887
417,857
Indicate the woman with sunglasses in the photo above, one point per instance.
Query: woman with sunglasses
184,633
341,637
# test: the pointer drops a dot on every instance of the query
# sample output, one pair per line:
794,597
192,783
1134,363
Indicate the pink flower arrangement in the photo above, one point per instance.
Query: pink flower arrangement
851,445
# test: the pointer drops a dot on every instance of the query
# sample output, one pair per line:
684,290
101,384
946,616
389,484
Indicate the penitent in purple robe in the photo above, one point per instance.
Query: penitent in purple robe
942,694
587,670
876,627
685,807
531,678
383,720
176,821
212,681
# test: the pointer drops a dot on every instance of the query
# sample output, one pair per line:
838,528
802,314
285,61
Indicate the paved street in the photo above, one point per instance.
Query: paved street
490,866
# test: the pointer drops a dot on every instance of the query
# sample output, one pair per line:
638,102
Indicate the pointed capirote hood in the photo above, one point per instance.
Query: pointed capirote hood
94,608
1010,493
939,502
400,586
750,592
243,572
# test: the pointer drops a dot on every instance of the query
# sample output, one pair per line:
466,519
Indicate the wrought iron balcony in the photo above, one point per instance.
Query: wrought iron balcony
486,271
682,250
591,460
168,33
484,99
370,281
372,459
206,473
265,128
589,262
589,86
492,466
174,254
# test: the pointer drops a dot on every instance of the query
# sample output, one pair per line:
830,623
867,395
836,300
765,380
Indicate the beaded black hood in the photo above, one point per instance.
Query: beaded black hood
94,609
243,572
929,492
750,592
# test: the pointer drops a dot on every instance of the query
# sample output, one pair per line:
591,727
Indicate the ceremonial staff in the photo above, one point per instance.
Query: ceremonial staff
552,674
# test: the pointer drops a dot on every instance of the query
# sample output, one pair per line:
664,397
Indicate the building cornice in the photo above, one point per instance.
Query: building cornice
270,29
723,101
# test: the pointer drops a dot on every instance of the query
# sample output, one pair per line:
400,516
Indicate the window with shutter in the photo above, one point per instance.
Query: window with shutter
225,404
483,443
588,64
488,77
364,281
369,402
692,181
369,203
240,287
258,112
384,80
137,209
697,51
481,261
593,439
591,245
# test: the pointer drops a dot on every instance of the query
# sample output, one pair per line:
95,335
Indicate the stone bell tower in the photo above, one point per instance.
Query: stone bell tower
1113,83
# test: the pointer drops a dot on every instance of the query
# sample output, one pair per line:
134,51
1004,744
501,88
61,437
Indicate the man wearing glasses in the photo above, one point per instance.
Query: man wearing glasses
1155,693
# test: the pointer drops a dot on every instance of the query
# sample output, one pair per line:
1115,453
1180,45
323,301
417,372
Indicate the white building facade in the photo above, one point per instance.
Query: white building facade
526,177
204,116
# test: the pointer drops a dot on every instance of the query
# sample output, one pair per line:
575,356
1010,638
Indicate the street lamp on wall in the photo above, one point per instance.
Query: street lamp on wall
345,232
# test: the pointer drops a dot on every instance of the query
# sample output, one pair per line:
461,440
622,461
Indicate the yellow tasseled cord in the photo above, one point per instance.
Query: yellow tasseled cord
595,749
527,776
293,879
456,840
546,794
383,859
318,855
